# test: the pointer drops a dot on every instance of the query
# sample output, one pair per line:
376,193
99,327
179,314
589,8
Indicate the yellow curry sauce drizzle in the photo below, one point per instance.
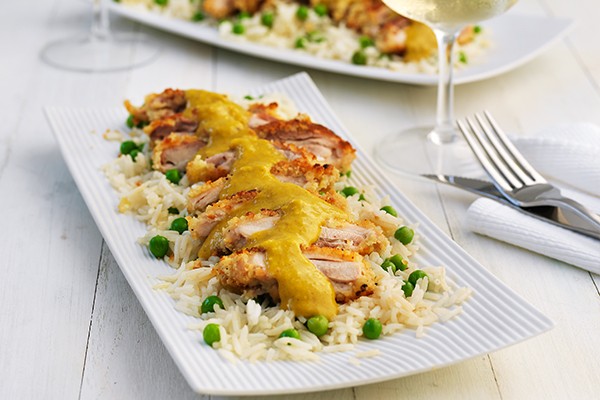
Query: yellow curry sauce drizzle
302,287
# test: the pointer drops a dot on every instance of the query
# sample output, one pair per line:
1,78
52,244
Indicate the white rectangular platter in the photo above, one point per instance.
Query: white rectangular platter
495,317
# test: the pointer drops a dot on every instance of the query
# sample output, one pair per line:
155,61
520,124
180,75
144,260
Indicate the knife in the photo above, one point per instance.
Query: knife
555,215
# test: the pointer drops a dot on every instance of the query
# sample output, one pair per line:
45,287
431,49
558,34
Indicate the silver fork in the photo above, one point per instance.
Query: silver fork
518,181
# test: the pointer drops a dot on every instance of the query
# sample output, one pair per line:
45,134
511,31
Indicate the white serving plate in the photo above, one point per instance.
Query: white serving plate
516,40
495,317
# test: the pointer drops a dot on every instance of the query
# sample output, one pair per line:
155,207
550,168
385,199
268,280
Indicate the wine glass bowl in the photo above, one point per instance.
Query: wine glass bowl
437,149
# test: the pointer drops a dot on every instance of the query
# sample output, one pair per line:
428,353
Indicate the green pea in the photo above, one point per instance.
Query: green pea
291,333
209,303
300,43
404,234
318,325
238,28
315,37
462,57
408,288
129,122
359,58
365,41
173,175
159,246
179,224
321,10
211,334
415,276
244,15
349,191
302,13
372,328
387,264
267,19
198,16
161,2
477,29
128,146
173,210
398,262
133,154
390,210
348,173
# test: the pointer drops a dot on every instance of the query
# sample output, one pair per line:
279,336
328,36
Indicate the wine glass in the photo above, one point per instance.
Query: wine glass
100,50
437,150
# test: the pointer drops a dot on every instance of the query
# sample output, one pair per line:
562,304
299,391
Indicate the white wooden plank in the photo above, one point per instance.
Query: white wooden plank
473,379
126,359
50,244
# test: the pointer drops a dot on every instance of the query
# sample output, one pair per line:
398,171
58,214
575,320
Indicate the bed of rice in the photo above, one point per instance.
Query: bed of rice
250,330
336,42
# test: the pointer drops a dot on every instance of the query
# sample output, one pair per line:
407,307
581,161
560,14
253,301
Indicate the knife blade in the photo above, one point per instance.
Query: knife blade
554,215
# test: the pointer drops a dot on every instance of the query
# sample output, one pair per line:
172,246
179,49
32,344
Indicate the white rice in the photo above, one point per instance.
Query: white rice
250,330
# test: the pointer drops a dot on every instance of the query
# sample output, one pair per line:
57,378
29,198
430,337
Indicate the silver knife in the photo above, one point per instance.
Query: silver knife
562,217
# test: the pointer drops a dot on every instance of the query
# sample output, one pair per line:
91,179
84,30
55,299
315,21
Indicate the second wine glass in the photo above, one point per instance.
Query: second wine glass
437,149
100,50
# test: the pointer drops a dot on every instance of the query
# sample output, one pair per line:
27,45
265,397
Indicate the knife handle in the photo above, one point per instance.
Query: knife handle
575,216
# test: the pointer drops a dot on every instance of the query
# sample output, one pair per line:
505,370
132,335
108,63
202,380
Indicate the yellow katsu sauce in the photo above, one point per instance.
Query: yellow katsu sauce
302,287
420,42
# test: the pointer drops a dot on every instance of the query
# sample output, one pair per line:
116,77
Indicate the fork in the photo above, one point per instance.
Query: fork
518,181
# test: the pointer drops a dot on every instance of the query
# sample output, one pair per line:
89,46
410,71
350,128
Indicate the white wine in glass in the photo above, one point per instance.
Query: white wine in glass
437,149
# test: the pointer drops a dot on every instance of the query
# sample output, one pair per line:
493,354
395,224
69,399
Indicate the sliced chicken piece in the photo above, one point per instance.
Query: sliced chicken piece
158,105
363,237
302,172
210,169
350,276
175,151
250,6
238,230
161,128
292,152
202,196
317,139
219,9
201,226
392,38
261,114
246,271
334,198
223,8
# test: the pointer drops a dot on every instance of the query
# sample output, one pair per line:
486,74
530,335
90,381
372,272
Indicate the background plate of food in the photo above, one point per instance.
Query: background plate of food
250,341
359,38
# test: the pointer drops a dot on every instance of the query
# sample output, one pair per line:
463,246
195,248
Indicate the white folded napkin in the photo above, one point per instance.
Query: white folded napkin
569,156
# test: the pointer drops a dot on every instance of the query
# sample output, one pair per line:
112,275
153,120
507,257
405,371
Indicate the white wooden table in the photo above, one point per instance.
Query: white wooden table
70,327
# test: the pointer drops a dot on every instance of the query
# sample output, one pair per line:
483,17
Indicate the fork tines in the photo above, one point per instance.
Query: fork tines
498,156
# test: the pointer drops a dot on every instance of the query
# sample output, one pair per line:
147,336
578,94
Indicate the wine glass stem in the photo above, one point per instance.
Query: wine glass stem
100,23
444,131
